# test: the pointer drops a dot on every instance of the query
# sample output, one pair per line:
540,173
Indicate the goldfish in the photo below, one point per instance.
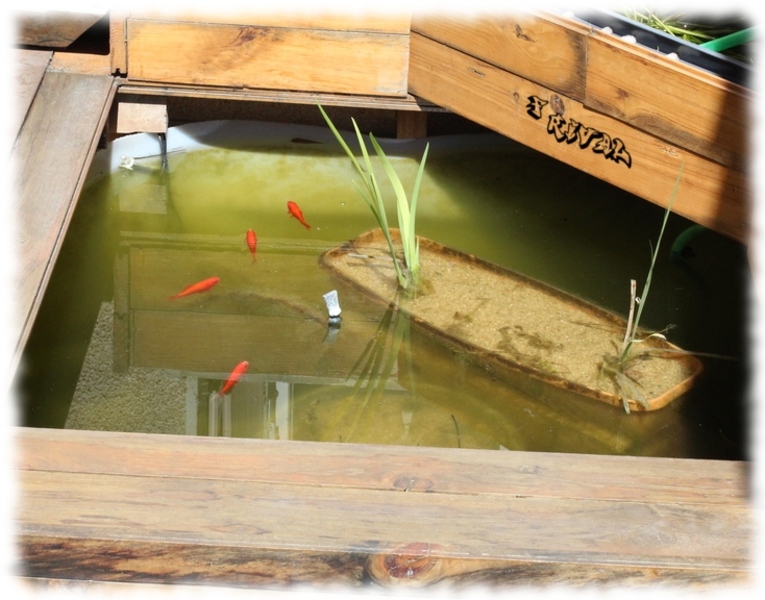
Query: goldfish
235,376
295,211
196,288
252,243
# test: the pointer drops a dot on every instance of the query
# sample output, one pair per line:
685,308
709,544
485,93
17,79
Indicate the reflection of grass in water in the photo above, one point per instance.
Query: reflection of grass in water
374,367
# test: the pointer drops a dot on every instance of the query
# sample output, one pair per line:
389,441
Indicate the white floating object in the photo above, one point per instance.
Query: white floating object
127,162
333,304
630,39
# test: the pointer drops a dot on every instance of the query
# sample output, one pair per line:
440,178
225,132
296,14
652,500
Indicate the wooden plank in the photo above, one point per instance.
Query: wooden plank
30,69
362,21
200,527
710,194
51,159
54,29
314,60
118,43
84,64
391,468
672,100
147,117
407,102
536,49
677,102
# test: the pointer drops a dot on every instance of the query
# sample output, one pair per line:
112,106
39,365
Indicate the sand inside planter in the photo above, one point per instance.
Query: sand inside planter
509,319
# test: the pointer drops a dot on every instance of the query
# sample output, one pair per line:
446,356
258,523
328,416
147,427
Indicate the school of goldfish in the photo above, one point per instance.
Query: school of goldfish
251,239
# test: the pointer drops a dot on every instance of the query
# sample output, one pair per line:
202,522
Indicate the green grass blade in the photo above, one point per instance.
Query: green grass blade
654,256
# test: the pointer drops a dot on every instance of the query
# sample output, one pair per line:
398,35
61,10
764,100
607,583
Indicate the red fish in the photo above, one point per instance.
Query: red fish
252,243
196,288
235,376
295,211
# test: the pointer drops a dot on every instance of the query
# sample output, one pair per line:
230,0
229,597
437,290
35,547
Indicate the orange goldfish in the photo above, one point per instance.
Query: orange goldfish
295,211
235,376
196,288
252,243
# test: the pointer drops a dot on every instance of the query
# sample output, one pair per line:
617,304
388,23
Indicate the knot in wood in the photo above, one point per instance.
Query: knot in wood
412,564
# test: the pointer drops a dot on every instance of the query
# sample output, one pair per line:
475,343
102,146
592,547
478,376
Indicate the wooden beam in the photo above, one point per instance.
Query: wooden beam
51,160
403,103
669,99
286,58
710,193
146,117
30,70
118,43
524,44
53,29
123,507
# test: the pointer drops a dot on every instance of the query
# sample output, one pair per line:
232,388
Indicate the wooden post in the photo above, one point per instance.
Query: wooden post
149,116
411,124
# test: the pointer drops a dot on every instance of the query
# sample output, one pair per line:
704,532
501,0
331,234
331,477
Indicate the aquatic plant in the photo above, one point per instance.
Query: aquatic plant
408,275
617,367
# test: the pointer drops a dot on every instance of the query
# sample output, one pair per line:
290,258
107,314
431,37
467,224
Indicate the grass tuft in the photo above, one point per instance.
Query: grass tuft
408,274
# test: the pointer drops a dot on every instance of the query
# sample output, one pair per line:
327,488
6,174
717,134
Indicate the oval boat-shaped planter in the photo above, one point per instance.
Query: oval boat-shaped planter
511,320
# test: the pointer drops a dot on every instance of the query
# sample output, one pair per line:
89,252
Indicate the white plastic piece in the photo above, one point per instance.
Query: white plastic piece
333,304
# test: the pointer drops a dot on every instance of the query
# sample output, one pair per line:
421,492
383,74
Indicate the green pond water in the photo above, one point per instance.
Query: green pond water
109,351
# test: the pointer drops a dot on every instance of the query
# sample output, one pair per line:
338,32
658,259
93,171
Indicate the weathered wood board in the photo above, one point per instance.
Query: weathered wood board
267,56
710,193
52,28
675,101
669,99
536,49
51,159
122,507
30,69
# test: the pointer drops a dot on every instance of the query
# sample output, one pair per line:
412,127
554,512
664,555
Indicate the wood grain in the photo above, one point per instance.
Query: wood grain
710,194
117,516
54,29
670,99
339,20
391,468
675,101
141,117
30,68
118,43
315,60
51,159
403,103
524,44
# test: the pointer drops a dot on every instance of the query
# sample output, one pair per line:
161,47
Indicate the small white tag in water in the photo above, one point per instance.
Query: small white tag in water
333,305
